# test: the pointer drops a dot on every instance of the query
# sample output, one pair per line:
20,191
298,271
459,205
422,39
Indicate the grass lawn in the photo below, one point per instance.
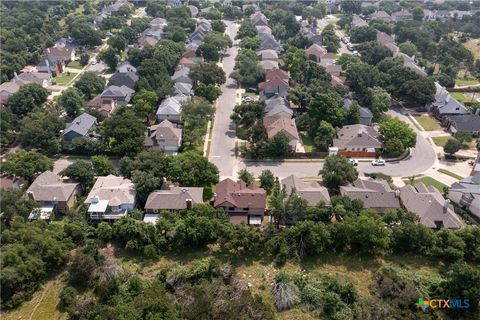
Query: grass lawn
450,173
459,96
474,46
306,141
65,78
75,64
440,141
428,123
464,78
428,181
43,305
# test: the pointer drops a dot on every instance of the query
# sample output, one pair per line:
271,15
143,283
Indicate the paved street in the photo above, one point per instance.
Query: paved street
222,152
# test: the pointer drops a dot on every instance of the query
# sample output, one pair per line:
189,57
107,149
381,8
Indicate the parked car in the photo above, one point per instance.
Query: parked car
251,90
349,47
354,162
247,99
421,109
355,52
378,162
109,34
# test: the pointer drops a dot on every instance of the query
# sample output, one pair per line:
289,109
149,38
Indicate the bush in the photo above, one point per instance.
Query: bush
150,251
67,298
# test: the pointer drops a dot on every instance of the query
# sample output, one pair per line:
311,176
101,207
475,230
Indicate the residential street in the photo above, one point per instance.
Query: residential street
222,152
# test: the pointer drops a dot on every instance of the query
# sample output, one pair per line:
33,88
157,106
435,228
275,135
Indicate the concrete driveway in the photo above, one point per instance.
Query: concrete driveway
222,152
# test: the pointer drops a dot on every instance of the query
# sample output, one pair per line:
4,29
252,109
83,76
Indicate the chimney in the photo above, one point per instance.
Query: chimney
446,205
359,132
397,193
189,203
30,195
16,75
95,199
149,131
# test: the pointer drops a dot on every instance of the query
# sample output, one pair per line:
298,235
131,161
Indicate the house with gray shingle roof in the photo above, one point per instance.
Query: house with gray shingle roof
169,109
259,19
358,22
120,94
429,205
469,123
182,88
128,79
79,127
374,193
358,137
445,105
182,75
466,193
173,199
312,192
366,115
126,66
164,136
53,194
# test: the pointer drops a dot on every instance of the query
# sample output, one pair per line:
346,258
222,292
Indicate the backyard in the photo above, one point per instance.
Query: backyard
306,142
428,181
428,123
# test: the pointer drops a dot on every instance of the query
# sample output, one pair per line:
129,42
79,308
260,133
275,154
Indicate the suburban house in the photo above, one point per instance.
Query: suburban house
366,115
79,127
358,22
466,193
259,19
358,137
444,105
190,62
111,198
182,75
402,15
43,79
106,107
164,136
339,81
387,41
193,11
316,52
189,53
125,67
183,88
374,193
7,181
128,79
285,125
312,192
277,107
410,63
333,69
267,55
429,205
53,194
169,109
275,86
282,74
242,203
158,23
264,29
381,15
7,89
268,42
55,59
311,34
469,123
173,199
121,95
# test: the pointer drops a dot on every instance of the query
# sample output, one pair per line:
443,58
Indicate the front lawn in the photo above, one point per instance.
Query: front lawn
440,141
65,78
428,181
428,123
75,64
306,142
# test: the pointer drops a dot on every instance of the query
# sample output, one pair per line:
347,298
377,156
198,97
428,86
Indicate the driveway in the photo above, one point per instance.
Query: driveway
222,152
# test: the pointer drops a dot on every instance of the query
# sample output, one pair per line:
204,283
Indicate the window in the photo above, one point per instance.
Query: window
231,208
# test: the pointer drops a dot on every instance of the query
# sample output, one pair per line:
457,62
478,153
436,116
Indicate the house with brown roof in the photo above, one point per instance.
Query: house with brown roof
275,86
111,198
267,55
358,137
106,107
164,136
386,40
357,21
53,193
173,199
271,74
381,15
316,52
429,205
242,203
285,125
374,193
312,192
402,15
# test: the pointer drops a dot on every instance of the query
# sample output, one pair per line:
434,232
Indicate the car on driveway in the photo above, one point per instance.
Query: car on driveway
378,162
247,99
354,162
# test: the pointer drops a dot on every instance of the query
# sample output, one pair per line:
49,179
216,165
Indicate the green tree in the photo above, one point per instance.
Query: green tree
417,13
219,26
378,101
328,107
40,128
338,171
145,183
71,100
118,43
90,84
240,238
394,147
102,166
208,52
451,146
247,29
110,57
25,164
209,74
267,180
209,92
144,103
325,135
27,98
250,43
84,59
418,92
330,40
361,76
363,34
350,6
82,269
409,48
246,176
367,234
219,40
194,170
81,171
175,33
395,128
247,70
15,202
123,133
8,123
278,146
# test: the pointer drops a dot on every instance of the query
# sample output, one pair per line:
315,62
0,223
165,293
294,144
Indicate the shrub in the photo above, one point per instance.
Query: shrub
67,298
